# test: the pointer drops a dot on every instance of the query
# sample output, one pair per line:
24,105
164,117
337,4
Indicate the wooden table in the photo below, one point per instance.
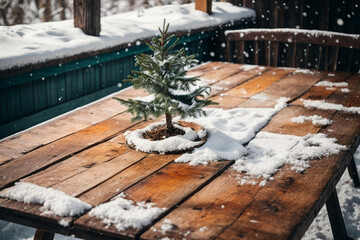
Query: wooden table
83,154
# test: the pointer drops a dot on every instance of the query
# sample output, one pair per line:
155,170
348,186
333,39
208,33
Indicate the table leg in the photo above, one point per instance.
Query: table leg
43,235
336,219
353,172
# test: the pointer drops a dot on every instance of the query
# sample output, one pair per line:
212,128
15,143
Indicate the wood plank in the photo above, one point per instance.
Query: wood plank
4,159
219,73
291,86
281,122
126,178
260,83
348,99
10,152
315,93
93,176
235,79
55,152
226,102
178,181
76,164
203,68
286,212
215,207
258,103
320,92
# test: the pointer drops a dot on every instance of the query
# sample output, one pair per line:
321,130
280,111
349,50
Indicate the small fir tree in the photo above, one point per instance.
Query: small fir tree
162,75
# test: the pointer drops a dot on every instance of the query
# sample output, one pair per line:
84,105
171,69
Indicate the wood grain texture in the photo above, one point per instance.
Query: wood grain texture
56,151
77,164
291,86
94,176
87,16
281,122
285,207
259,83
215,207
322,92
126,178
203,5
178,181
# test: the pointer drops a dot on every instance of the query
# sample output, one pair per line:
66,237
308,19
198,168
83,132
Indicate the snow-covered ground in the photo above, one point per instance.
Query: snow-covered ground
349,198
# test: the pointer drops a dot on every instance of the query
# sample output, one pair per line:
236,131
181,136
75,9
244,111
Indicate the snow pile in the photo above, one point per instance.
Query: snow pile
345,90
166,226
228,130
123,213
315,119
331,84
321,104
170,144
248,67
53,201
267,152
28,44
303,71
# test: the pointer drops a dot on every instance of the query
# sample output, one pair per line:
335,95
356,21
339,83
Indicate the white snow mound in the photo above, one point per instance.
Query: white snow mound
54,201
267,152
124,213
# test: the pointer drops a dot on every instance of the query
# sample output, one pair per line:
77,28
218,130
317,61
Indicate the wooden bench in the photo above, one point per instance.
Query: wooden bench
299,47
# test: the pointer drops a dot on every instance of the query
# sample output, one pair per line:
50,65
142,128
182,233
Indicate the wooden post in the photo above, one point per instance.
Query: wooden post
87,16
43,235
203,5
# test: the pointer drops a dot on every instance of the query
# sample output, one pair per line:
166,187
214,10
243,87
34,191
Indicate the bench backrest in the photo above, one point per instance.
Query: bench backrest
292,47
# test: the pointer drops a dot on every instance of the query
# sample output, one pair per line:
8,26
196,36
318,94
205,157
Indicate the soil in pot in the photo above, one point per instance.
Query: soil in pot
162,132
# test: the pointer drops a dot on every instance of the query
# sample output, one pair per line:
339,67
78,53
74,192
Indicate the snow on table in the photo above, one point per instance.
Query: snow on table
268,152
228,130
54,202
322,104
124,213
27,44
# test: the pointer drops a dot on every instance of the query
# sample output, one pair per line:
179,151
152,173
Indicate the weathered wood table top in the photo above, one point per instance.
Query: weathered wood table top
83,154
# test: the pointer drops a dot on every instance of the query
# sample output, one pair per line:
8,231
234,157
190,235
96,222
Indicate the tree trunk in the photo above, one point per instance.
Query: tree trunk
18,13
46,4
168,118
63,6
87,16
4,7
